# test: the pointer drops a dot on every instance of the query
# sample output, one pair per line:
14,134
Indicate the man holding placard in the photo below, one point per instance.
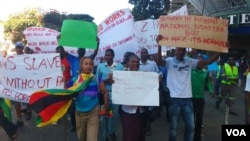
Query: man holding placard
179,84
199,32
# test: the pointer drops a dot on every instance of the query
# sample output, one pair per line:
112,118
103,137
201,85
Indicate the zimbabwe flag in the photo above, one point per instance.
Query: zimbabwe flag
52,104
5,105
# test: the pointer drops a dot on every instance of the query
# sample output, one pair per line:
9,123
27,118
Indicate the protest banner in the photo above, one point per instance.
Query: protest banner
148,30
135,88
44,40
181,11
199,32
78,33
41,39
21,75
117,32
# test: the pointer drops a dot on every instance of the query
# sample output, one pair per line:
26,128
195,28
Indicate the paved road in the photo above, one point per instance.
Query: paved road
213,119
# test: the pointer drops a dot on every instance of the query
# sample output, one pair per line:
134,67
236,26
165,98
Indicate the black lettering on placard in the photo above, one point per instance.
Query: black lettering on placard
235,132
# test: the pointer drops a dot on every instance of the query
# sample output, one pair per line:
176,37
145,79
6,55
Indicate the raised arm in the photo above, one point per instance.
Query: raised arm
96,50
159,56
209,61
212,58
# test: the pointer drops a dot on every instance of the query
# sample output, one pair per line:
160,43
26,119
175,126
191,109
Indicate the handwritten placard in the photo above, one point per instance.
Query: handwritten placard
200,32
21,75
117,32
135,88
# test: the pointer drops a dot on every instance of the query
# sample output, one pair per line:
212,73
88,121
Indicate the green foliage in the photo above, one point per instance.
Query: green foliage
54,20
17,23
149,9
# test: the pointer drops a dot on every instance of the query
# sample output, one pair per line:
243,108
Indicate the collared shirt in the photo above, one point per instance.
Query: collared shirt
149,66
103,69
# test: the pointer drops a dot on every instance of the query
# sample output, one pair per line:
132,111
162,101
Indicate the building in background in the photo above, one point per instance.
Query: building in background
236,11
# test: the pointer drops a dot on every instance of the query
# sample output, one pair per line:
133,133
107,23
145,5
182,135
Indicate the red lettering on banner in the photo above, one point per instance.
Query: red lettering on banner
191,33
29,34
44,63
52,31
114,17
142,40
7,92
170,18
153,37
37,34
21,97
53,43
36,29
59,81
27,83
100,28
44,43
8,64
178,38
120,21
214,42
32,44
107,47
125,40
206,20
156,24
143,27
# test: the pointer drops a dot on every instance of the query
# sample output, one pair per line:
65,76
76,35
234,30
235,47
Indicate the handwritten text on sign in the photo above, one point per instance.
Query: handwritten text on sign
135,88
200,32
21,75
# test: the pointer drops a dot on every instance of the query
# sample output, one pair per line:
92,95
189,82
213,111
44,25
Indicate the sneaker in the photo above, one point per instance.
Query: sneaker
19,123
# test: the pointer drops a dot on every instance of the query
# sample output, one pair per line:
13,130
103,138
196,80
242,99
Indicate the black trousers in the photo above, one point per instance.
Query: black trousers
72,111
198,104
8,126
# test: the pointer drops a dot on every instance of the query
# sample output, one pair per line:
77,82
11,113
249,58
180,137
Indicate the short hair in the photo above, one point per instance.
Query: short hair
111,51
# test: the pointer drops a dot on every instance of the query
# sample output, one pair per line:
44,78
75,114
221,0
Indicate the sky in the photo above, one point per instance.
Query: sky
99,9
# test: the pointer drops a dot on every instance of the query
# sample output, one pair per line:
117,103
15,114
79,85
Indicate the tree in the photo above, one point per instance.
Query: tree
54,20
149,9
17,23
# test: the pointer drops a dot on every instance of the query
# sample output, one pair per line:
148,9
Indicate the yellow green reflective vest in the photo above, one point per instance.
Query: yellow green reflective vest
218,71
229,72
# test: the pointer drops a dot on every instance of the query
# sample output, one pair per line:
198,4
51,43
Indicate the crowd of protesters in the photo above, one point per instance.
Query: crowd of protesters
182,72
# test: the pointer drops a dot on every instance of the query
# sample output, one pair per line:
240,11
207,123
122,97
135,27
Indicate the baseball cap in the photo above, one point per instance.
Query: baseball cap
19,44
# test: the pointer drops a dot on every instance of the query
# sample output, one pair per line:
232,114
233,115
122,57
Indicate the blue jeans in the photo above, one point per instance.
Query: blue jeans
108,124
181,108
